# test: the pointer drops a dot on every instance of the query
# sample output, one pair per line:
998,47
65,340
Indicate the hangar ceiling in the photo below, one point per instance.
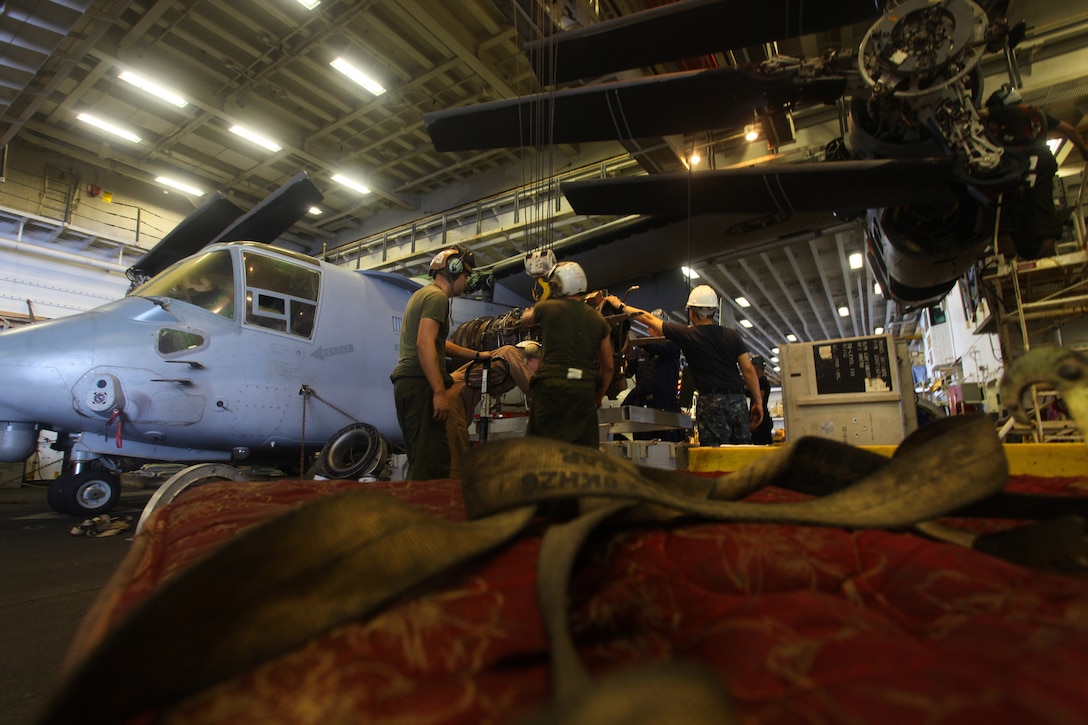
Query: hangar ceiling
265,64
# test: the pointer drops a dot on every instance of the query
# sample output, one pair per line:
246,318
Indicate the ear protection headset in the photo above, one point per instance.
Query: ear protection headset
455,265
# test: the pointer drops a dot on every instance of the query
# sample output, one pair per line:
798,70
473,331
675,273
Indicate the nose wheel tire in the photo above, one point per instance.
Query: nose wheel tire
87,494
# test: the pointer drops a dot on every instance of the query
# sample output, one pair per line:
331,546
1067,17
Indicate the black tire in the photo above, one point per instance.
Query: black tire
352,453
92,493
57,495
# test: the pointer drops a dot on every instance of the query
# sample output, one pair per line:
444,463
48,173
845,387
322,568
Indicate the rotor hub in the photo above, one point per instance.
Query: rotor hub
922,46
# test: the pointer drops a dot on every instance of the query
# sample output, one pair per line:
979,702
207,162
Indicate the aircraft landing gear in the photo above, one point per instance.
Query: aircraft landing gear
87,493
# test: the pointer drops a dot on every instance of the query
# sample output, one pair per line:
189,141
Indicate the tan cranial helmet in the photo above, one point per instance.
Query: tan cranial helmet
453,261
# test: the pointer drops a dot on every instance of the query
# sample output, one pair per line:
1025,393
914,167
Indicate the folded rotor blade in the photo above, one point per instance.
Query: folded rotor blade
655,106
192,234
275,215
685,29
830,185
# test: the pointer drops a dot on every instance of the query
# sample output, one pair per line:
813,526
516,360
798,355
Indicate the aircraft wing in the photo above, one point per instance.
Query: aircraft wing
192,234
685,29
275,215
829,185
654,106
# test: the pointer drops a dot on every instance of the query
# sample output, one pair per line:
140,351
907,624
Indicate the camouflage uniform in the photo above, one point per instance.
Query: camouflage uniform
722,418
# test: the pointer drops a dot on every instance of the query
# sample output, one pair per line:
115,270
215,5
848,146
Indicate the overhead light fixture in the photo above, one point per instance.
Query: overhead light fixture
856,260
777,369
844,311
314,211
180,186
774,359
775,351
108,127
695,158
742,302
255,137
878,331
689,273
351,184
877,289
358,76
150,86
790,338
309,4
1054,144
752,132
746,323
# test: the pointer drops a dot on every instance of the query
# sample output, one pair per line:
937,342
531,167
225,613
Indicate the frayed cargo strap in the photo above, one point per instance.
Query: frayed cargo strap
964,464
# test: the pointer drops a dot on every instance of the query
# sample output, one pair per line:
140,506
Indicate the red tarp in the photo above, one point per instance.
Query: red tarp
803,624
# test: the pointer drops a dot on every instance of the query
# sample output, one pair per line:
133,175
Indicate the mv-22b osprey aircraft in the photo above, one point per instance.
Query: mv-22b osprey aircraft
240,352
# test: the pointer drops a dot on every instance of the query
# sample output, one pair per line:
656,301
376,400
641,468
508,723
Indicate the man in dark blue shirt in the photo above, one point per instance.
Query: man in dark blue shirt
719,362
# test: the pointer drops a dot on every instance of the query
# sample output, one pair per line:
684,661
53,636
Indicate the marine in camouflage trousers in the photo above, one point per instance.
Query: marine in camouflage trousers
722,419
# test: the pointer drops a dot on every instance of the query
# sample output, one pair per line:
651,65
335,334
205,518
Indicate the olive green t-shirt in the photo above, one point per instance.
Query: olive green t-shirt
431,303
571,332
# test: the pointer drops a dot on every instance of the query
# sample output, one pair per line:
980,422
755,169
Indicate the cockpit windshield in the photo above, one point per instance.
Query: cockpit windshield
206,281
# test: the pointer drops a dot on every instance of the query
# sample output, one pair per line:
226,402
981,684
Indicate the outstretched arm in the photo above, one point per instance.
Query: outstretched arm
652,322
1067,131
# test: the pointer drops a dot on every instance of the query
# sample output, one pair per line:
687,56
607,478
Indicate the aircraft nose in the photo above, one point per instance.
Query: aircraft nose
38,364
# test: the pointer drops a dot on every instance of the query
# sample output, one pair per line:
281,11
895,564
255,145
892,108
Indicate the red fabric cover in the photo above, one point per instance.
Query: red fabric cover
803,624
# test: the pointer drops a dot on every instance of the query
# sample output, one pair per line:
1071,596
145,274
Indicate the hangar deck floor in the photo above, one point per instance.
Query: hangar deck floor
48,581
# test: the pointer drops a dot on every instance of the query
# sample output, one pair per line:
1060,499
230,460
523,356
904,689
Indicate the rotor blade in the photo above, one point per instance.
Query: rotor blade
655,106
192,234
685,29
275,215
831,185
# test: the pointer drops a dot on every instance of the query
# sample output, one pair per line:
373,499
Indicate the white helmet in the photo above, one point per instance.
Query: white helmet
567,278
530,348
1006,95
703,296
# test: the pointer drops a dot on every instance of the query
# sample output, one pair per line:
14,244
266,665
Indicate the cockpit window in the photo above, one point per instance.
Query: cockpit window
280,295
206,281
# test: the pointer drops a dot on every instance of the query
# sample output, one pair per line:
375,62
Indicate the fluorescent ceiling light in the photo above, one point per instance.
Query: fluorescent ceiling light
689,273
878,331
358,76
315,211
877,290
1054,144
856,260
791,338
745,323
309,4
108,127
174,184
350,183
742,301
844,311
153,88
255,138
